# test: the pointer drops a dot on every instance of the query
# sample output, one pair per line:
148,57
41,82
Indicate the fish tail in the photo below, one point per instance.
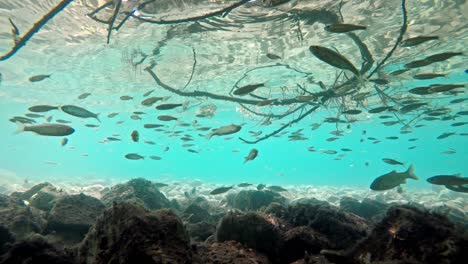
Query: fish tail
97,117
21,128
246,159
411,174
208,136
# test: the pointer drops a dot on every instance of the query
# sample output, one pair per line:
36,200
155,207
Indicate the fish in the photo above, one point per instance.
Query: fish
151,100
113,139
192,151
449,152
248,89
352,112
343,28
149,142
62,121
459,124
399,72
410,42
42,108
460,100
331,139
427,76
167,106
266,102
135,117
432,59
463,113
155,157
379,81
139,113
166,149
32,115
392,179
457,188
446,135
134,156
38,78
160,184
135,136
148,93
275,188
244,184
411,107
329,151
221,190
443,88
393,162
333,58
166,118
187,145
125,97
272,56
379,109
392,137
152,125
455,179
224,130
64,141
111,115
57,130
83,96
346,149
91,125
78,112
252,155
261,186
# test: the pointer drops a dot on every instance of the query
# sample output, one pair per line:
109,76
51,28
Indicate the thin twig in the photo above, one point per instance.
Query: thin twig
112,20
193,68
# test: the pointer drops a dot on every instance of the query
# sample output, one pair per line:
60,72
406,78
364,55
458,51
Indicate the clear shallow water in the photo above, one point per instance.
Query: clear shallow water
72,48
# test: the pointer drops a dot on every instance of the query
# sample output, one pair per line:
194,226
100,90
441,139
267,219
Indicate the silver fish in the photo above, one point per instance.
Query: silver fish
252,155
57,130
78,112
224,130
393,179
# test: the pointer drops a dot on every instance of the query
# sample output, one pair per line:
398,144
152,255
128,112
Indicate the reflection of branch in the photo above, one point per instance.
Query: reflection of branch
36,27
112,20
283,127
193,68
403,28
223,12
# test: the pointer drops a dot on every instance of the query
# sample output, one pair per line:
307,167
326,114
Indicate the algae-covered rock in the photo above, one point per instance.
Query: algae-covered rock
137,190
229,252
128,233
251,200
20,219
368,208
299,240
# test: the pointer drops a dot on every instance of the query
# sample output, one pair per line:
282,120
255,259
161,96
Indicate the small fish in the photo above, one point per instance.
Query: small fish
459,124
78,112
412,147
113,139
460,100
135,117
111,115
160,185
62,121
446,135
410,42
248,89
135,136
272,56
57,130
125,97
167,106
333,58
187,145
392,179
139,113
166,149
398,72
443,88
134,156
352,112
38,78
392,138
455,179
148,93
155,157
379,81
64,141
393,162
33,115
463,113
252,155
343,28
411,107
221,190
119,122
224,130
42,108
244,184
346,149
331,139
261,186
192,151
149,142
379,109
150,101
329,151
91,125
427,76
166,118
152,125
275,188
83,96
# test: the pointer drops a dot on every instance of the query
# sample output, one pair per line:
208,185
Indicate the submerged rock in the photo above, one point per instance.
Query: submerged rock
20,219
368,208
35,250
200,231
251,200
73,215
195,213
411,235
128,233
340,228
41,196
252,230
227,253
137,190
5,238
299,240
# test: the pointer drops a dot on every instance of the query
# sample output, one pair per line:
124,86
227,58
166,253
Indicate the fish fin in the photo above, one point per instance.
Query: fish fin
208,136
403,164
97,117
246,159
411,174
21,128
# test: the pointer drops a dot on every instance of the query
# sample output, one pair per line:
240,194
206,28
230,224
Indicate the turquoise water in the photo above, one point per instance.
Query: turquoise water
98,68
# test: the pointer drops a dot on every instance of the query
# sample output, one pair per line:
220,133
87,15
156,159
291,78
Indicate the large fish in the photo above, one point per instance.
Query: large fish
333,58
42,108
248,89
417,40
393,179
78,112
252,155
448,180
57,130
224,130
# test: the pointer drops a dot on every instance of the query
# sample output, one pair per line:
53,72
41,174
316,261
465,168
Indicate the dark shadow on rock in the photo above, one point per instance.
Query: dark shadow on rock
227,252
252,200
299,240
340,228
72,216
411,235
253,230
139,191
35,250
128,233
6,238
